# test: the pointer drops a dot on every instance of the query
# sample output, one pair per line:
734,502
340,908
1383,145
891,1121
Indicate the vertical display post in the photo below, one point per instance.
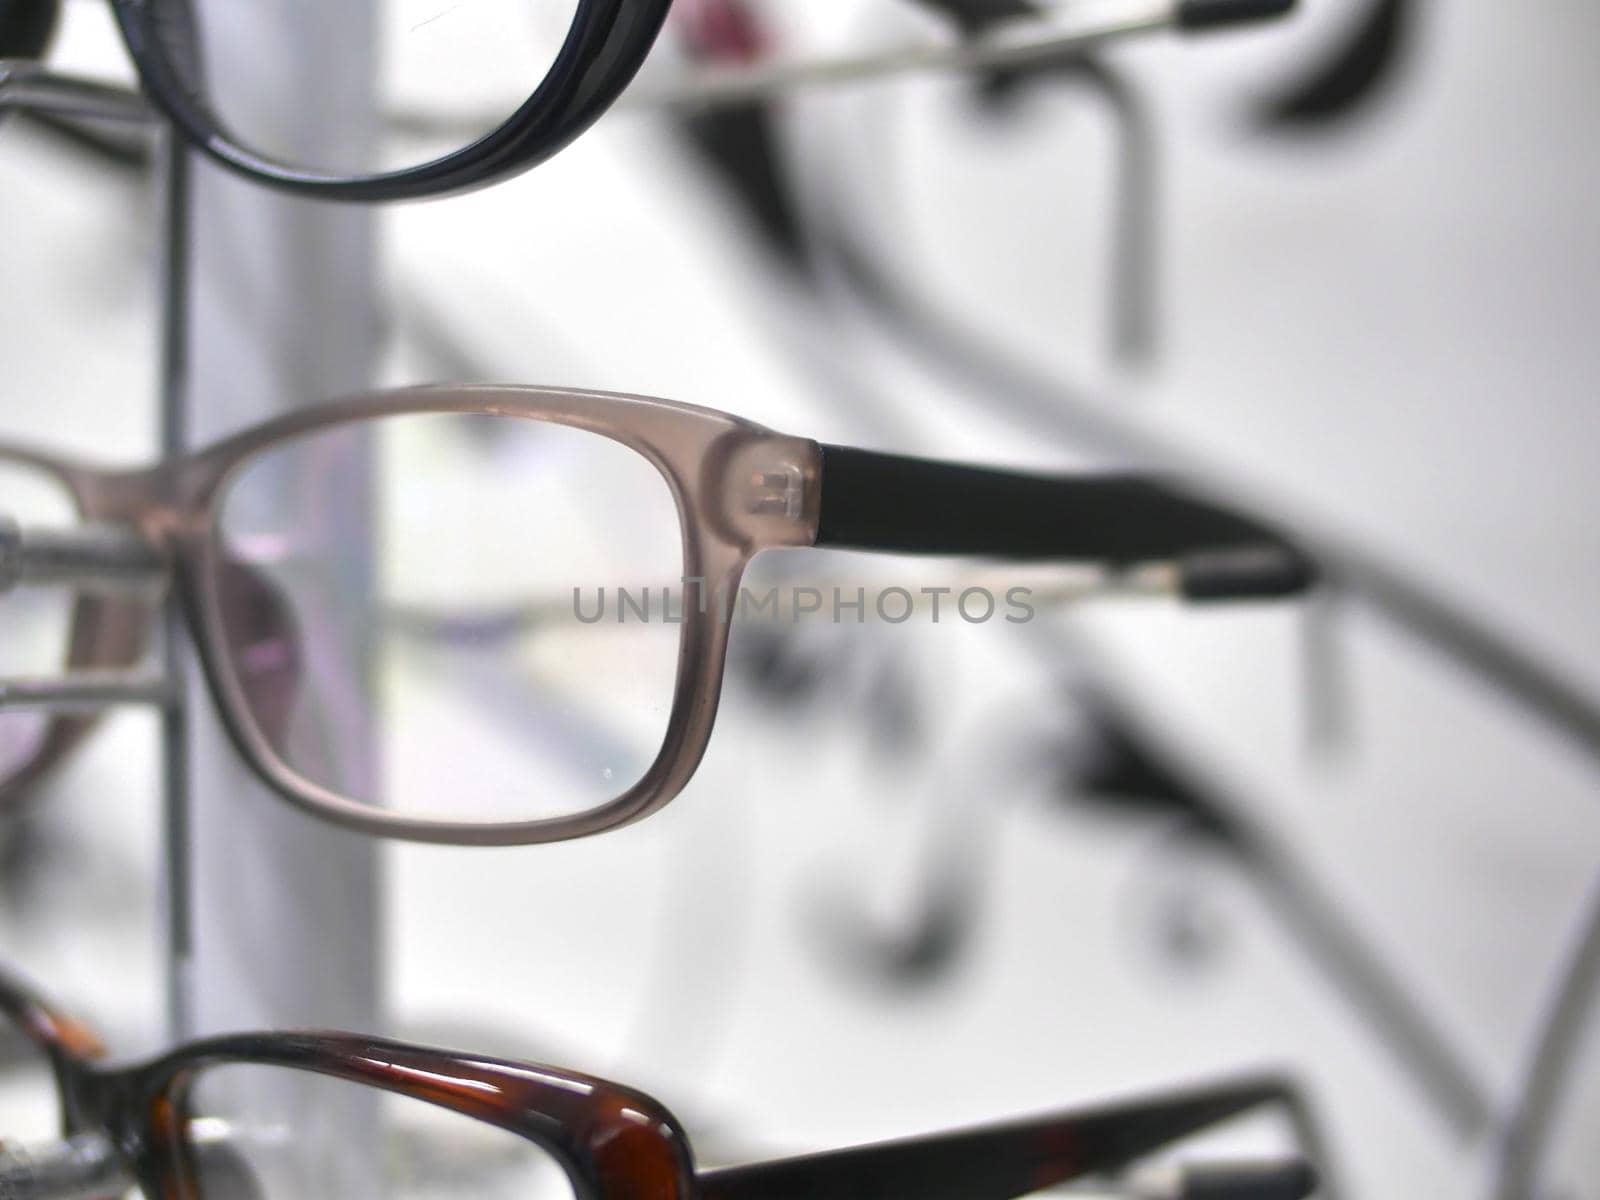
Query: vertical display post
269,305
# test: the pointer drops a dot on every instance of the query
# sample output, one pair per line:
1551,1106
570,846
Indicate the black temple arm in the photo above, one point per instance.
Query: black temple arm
873,501
1000,1162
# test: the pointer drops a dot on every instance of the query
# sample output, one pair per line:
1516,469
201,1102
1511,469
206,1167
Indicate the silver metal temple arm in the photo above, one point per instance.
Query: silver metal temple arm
786,600
25,84
80,1168
93,557
1071,27
1244,574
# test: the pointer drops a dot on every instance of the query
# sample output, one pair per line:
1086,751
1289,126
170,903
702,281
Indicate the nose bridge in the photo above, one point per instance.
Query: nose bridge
157,504
142,499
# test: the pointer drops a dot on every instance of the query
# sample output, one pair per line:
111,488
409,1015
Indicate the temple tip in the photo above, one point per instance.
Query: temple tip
1217,14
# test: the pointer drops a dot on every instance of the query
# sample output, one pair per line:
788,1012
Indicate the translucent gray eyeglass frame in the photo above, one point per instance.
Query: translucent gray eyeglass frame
739,489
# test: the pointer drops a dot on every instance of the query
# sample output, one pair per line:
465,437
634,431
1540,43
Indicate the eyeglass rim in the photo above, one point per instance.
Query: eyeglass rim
616,33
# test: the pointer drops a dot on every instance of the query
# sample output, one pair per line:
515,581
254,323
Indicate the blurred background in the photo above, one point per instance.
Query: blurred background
1344,267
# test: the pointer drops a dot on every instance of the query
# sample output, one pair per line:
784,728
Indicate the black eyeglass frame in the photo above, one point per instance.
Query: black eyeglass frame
603,50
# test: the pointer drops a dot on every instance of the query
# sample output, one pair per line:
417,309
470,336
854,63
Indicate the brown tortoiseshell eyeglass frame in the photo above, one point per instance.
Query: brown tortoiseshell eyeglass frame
739,489
614,1142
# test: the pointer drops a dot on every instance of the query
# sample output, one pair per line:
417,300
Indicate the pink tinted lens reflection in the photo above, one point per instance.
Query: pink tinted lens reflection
408,607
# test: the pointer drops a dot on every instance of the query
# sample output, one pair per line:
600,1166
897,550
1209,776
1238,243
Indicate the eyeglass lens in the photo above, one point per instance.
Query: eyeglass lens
452,664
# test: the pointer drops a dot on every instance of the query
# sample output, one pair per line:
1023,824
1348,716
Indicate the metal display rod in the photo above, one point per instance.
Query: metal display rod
268,304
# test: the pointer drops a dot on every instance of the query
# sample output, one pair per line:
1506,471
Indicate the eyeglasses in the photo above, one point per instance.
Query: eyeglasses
454,85
598,541
304,1115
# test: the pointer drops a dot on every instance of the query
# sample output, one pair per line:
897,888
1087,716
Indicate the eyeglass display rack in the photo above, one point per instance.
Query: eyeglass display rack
273,919
268,301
